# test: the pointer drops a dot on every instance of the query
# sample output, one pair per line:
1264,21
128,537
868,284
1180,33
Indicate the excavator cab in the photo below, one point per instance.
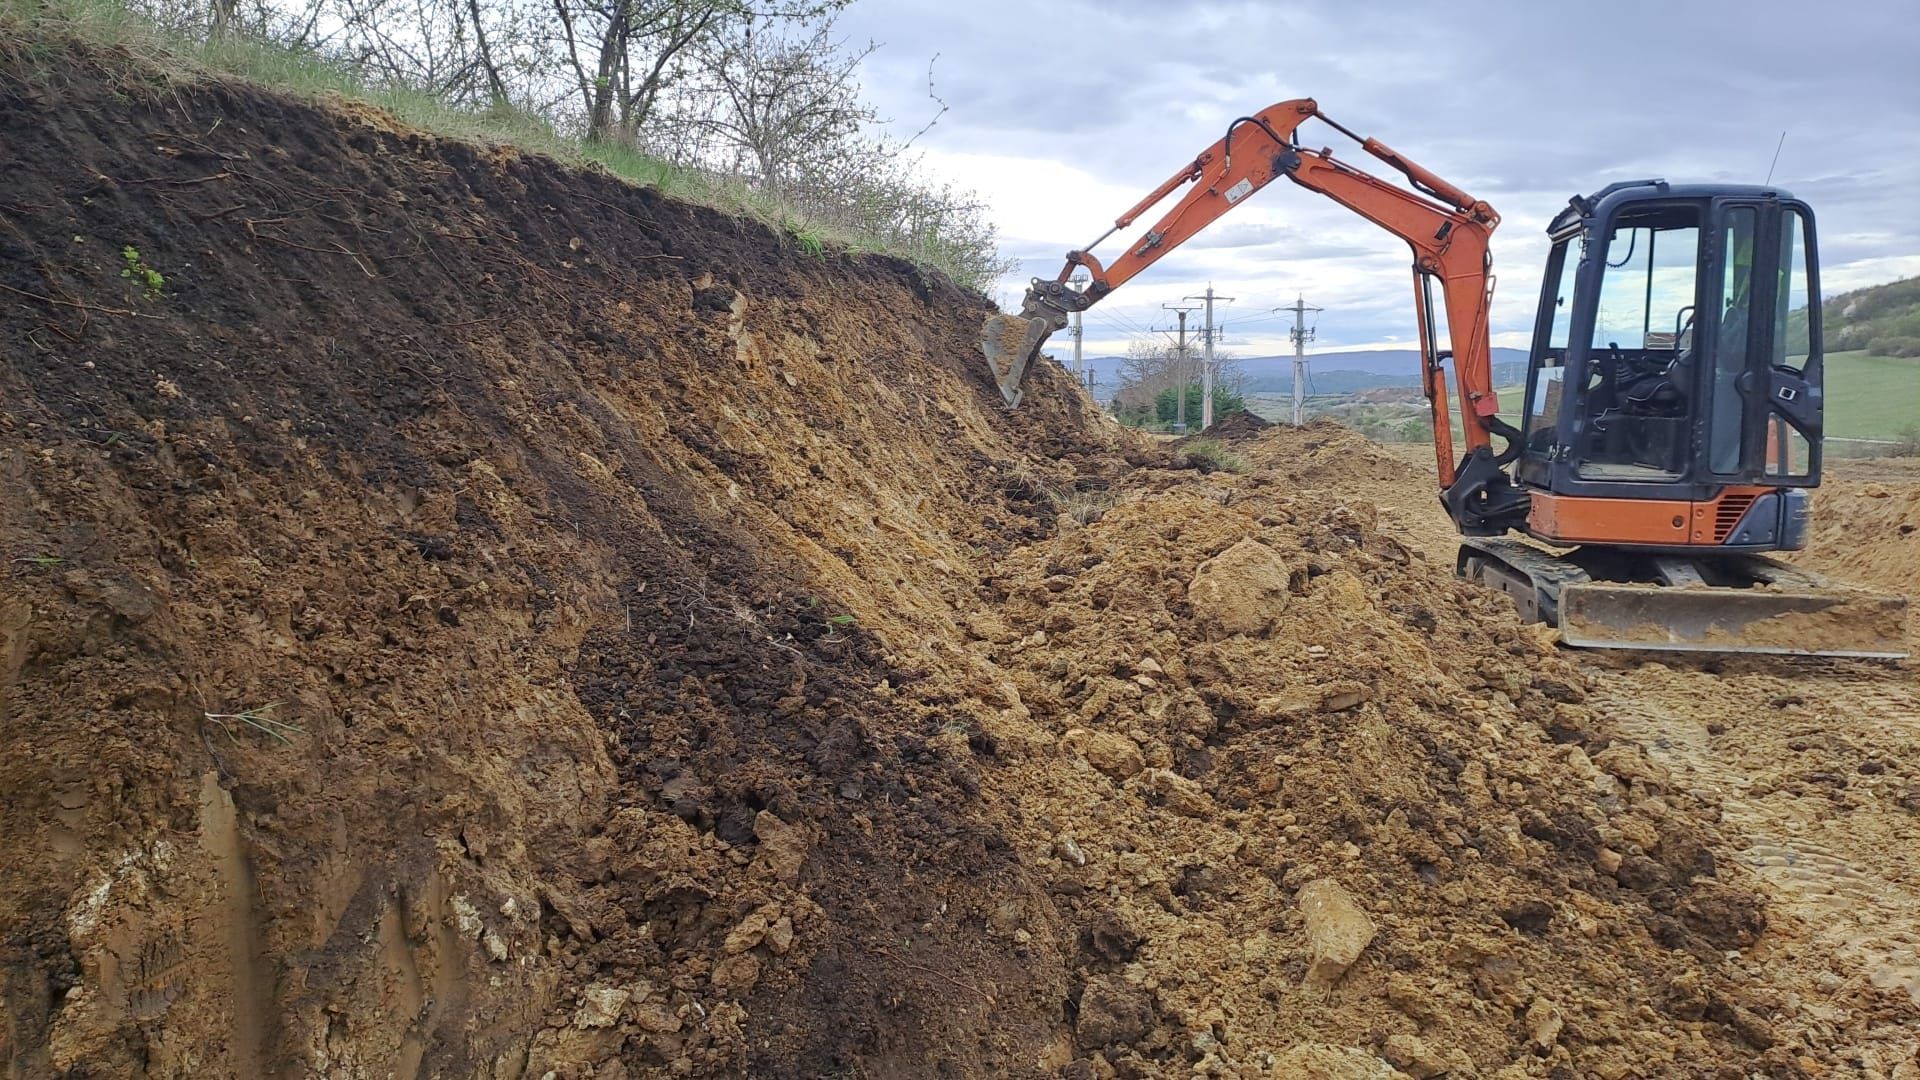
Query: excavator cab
1673,390
1671,428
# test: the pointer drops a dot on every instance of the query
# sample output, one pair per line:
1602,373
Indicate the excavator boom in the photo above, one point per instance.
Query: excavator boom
1447,229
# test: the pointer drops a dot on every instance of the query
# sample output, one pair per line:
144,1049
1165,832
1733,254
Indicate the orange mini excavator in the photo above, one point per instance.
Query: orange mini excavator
1671,425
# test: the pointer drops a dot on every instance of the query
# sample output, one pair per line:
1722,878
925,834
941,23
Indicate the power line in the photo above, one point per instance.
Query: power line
1126,322
1122,325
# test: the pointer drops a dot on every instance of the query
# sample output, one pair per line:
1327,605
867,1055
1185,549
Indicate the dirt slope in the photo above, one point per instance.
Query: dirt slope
475,618
1866,527
536,503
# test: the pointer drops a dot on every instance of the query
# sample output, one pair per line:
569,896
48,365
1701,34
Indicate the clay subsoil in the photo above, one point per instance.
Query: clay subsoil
476,618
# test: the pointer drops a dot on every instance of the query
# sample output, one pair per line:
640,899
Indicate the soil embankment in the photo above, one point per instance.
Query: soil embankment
472,617
563,527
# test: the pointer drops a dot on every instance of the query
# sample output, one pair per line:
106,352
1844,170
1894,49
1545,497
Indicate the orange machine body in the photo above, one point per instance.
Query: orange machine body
1577,519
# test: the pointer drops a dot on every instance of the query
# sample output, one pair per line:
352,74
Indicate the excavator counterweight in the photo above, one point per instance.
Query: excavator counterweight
1665,442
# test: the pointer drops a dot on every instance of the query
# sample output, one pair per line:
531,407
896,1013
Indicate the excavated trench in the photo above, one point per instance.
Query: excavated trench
480,618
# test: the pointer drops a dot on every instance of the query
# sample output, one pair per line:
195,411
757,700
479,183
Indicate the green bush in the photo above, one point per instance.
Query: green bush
1134,415
1166,405
1419,429
1895,345
1882,319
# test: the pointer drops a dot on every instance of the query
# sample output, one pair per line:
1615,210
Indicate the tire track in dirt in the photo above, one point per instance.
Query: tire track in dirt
1805,784
1814,763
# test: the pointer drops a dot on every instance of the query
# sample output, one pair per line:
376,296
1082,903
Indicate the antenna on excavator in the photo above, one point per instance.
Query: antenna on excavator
1776,156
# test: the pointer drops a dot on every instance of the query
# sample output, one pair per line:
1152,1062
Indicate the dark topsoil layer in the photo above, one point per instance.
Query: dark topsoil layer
375,451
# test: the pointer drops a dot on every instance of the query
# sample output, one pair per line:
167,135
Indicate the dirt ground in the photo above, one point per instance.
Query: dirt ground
1814,764
479,619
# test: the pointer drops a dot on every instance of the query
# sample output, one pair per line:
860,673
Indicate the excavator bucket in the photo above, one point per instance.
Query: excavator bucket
1011,342
1776,609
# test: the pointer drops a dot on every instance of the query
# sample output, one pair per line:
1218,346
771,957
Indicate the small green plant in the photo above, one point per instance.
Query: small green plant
1209,454
151,281
43,562
258,718
809,240
841,621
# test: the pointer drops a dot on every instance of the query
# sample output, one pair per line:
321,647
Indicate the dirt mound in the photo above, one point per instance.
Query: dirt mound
1866,524
1238,424
1814,765
1538,897
473,618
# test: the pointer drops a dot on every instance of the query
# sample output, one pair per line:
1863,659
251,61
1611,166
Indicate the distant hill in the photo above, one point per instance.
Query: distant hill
1328,373
1883,320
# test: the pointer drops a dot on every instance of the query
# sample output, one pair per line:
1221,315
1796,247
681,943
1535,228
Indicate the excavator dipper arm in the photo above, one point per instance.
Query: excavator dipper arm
1447,229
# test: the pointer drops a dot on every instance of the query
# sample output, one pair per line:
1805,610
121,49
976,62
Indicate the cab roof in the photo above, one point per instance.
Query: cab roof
1583,208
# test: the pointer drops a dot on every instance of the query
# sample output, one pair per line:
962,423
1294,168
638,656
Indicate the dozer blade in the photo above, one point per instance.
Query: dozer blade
1803,622
1010,343
1776,608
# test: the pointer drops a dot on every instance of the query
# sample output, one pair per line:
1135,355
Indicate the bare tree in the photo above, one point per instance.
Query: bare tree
1149,367
623,54
1152,367
760,90
787,99
496,88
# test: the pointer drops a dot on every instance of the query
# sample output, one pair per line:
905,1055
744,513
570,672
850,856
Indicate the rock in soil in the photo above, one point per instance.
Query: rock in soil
1338,930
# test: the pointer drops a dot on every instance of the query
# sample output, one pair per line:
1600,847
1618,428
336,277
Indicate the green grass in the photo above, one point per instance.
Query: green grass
36,38
1871,397
1214,453
1866,397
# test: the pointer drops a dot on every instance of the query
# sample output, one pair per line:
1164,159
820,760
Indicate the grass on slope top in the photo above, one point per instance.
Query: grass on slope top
36,33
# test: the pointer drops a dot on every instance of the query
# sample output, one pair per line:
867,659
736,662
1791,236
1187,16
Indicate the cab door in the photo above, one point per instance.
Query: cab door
1762,376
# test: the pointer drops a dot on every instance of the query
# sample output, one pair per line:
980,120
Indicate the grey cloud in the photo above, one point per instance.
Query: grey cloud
1521,104
1280,241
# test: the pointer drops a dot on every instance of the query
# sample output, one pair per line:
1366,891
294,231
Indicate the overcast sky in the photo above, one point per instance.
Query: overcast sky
1063,113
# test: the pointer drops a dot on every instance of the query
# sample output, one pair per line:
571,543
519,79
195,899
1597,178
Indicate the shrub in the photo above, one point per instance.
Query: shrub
1208,455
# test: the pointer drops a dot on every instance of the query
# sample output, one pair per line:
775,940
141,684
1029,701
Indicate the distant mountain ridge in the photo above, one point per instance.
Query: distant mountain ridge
1342,372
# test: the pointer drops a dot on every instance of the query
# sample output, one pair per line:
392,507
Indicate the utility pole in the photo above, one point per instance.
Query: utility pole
1206,371
1079,281
1301,334
1179,367
1079,368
